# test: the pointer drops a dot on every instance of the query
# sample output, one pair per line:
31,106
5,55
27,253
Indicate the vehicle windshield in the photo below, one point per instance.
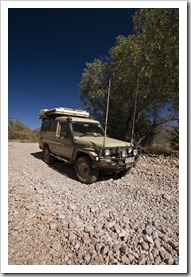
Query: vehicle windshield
81,129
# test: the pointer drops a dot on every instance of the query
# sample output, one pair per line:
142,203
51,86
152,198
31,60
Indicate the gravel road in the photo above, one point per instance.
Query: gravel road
54,219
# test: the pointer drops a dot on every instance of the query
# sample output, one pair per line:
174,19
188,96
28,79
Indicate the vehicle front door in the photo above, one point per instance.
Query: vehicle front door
65,147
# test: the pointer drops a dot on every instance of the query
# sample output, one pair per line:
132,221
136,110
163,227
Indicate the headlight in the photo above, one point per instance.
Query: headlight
107,152
130,149
124,153
135,152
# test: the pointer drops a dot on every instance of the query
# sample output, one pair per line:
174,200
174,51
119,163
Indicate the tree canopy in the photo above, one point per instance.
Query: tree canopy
143,66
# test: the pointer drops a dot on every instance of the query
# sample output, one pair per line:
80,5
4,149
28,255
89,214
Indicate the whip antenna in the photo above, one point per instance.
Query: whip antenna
134,113
106,117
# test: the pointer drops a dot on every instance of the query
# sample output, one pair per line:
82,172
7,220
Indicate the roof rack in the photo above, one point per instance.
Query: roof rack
47,113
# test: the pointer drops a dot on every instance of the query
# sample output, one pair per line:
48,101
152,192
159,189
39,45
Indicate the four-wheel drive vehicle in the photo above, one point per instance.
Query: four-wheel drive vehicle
73,137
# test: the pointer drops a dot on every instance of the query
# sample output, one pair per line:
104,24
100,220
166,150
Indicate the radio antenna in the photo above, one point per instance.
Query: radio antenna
134,113
107,109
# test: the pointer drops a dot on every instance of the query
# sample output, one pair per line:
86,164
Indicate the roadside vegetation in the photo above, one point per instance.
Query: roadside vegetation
20,132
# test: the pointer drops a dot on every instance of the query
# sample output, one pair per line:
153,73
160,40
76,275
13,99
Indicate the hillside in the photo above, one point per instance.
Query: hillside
19,131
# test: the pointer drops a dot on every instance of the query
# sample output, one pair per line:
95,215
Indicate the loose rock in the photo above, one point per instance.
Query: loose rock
55,220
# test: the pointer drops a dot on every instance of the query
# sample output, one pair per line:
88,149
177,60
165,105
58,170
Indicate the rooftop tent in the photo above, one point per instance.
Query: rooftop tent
46,113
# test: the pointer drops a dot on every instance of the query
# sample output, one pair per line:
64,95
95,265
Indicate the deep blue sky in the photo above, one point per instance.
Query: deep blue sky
47,53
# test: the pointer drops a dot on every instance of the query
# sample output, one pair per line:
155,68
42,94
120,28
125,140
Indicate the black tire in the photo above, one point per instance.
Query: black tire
84,170
49,159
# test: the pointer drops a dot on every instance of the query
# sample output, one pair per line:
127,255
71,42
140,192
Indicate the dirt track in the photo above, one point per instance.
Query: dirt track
54,219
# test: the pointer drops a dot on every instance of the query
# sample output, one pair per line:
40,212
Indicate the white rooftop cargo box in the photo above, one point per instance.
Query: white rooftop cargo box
46,113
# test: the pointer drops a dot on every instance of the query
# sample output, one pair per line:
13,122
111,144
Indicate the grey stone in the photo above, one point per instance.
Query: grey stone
148,230
176,261
53,226
71,224
72,207
79,224
56,245
32,215
77,246
145,245
87,257
122,233
166,197
80,254
142,260
148,239
98,246
72,236
110,244
117,228
87,241
112,223
131,257
18,225
105,213
135,254
162,252
125,219
123,249
168,259
88,228
116,247
61,216
165,238
157,243
157,260
125,259
98,227
155,234
173,244
105,250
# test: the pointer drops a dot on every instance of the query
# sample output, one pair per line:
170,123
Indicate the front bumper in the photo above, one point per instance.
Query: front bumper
115,163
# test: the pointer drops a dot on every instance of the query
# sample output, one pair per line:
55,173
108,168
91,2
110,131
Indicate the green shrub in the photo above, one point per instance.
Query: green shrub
18,131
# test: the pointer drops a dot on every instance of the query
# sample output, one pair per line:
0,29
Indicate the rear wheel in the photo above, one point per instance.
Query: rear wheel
84,170
48,158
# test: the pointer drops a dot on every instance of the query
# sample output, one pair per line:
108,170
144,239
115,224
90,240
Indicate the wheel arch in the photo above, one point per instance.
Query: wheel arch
79,154
45,145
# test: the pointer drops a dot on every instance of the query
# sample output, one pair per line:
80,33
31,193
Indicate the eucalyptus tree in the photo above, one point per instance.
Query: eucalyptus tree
93,88
144,71
157,34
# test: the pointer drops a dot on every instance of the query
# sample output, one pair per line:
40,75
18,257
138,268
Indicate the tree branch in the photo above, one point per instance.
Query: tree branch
164,120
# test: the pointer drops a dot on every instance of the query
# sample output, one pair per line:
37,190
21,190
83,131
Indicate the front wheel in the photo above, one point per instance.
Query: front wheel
84,170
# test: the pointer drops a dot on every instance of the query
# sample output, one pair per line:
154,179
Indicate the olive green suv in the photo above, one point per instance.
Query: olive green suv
73,137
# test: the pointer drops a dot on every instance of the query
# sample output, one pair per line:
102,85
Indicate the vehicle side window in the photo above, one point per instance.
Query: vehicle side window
45,126
65,130
52,126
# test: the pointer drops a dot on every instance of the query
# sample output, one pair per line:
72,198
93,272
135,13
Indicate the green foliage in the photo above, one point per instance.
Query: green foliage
18,131
143,65
157,33
93,87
